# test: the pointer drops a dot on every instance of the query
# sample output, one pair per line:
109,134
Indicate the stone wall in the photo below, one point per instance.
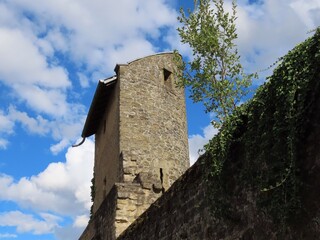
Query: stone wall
241,208
122,206
143,130
106,161
184,211
181,213
132,201
244,210
101,226
141,143
153,130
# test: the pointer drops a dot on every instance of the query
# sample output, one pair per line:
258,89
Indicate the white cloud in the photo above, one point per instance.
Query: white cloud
83,79
68,232
89,31
6,128
89,35
197,141
56,148
64,130
6,125
308,13
8,235
28,223
32,79
81,221
37,125
268,29
130,50
25,64
42,100
175,43
3,143
62,188
67,129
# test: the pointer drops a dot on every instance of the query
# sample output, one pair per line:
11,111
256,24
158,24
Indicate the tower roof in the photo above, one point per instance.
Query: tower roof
98,105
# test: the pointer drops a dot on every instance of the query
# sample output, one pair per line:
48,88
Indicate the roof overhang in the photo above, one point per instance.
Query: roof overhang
98,106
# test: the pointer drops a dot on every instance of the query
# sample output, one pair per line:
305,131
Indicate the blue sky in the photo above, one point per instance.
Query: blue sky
52,54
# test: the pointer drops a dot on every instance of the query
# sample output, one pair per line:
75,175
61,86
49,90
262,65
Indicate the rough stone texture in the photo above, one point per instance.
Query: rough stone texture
122,206
153,126
141,144
132,201
101,226
181,213
106,163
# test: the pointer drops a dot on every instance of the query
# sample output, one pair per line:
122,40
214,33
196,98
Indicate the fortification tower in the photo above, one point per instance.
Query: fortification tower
141,145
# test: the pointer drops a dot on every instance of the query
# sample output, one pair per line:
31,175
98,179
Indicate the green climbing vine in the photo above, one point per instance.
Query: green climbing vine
259,147
93,194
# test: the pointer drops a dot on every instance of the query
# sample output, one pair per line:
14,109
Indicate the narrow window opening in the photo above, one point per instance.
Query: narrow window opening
104,186
104,126
161,179
120,168
161,175
166,74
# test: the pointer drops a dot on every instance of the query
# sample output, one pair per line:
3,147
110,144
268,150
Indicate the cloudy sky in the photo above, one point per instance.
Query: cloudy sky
52,53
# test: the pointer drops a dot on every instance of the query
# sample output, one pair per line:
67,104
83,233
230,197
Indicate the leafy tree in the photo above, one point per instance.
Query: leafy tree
215,74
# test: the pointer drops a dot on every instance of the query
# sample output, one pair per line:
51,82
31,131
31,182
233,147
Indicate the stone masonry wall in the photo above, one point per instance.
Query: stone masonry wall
181,213
184,210
132,201
153,130
106,164
141,144
101,226
124,203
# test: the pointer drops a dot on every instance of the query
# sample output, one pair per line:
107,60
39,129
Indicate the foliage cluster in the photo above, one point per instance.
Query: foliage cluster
92,194
215,75
260,146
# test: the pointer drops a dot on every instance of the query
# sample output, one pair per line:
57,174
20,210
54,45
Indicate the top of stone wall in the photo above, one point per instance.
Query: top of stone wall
139,59
151,55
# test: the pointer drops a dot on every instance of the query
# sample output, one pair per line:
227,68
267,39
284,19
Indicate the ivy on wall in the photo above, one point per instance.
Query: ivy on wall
259,147
92,194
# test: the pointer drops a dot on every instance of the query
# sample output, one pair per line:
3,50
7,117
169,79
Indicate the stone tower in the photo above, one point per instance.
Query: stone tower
141,144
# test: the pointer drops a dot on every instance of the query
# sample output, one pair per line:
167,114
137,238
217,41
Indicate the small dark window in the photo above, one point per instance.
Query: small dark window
161,176
104,186
161,179
166,74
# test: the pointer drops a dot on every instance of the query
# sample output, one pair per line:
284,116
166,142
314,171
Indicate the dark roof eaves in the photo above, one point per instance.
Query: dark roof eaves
91,124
